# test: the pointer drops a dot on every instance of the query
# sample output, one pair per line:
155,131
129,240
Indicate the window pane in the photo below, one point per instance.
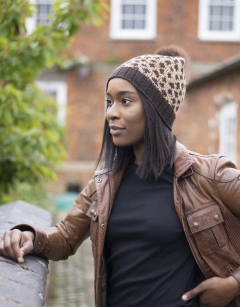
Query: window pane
210,10
231,126
52,93
227,26
44,2
140,9
228,130
225,1
228,11
128,24
43,12
215,26
221,17
216,10
43,9
139,24
134,2
134,15
128,9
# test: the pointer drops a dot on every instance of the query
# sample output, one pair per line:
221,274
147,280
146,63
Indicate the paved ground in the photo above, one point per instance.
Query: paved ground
71,281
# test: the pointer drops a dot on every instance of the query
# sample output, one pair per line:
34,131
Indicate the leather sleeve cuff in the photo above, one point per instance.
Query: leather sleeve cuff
39,242
38,238
236,274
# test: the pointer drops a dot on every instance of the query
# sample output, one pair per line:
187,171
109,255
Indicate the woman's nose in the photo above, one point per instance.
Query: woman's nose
112,112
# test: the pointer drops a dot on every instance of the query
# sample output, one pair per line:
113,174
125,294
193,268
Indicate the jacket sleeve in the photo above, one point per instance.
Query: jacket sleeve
227,182
62,240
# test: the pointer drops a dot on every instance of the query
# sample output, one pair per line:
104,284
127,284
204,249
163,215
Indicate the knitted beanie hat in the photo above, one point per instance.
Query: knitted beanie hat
160,78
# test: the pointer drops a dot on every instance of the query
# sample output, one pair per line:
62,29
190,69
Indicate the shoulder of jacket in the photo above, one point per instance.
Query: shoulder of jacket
204,164
214,167
226,170
200,157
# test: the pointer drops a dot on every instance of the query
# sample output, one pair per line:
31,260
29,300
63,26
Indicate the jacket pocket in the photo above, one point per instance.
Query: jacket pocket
93,214
206,226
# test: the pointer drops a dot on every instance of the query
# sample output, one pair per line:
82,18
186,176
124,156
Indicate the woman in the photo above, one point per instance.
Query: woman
152,211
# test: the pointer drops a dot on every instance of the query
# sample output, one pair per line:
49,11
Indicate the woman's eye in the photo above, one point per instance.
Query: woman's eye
126,101
109,102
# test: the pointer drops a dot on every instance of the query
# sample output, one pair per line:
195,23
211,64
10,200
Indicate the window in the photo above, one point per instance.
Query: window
228,131
58,89
44,9
133,19
219,20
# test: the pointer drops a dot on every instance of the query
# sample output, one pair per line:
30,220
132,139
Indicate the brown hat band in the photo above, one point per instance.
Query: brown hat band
146,87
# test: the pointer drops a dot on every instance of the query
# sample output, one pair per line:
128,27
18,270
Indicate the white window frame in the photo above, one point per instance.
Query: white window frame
228,111
203,22
60,87
31,22
116,32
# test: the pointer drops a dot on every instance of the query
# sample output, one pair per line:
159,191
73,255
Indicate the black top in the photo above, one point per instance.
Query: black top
149,262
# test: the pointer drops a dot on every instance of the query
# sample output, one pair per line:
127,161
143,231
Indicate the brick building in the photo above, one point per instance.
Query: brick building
210,116
209,30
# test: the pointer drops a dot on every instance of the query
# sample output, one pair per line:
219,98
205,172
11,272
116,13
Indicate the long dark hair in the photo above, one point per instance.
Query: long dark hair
159,146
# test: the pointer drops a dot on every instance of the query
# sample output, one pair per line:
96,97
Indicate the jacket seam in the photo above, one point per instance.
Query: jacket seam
205,156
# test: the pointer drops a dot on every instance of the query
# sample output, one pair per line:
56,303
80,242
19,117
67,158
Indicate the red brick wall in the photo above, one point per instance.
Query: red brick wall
85,114
65,177
177,23
197,124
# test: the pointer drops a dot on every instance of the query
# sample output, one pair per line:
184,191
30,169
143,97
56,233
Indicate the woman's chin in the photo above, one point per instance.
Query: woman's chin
119,143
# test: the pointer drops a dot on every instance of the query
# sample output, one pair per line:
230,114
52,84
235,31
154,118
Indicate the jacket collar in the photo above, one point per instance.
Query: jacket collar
183,160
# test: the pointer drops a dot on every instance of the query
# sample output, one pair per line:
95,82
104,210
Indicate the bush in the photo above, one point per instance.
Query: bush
31,140
35,195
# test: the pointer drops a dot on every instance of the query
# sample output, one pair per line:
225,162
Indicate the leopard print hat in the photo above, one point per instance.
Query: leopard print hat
160,78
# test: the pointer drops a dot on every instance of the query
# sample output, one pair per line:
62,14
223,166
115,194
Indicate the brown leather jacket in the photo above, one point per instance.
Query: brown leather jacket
206,194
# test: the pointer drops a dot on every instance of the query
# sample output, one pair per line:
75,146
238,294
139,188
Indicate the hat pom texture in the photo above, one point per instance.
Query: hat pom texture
160,77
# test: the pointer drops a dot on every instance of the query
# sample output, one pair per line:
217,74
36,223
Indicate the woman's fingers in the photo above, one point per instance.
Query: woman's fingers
6,247
27,242
194,292
12,244
16,237
215,292
15,244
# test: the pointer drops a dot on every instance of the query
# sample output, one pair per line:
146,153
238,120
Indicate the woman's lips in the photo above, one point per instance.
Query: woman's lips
114,130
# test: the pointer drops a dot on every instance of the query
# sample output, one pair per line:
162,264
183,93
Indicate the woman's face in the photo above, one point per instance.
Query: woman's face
125,114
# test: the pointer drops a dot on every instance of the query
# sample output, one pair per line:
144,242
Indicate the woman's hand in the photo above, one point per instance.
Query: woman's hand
15,244
215,292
